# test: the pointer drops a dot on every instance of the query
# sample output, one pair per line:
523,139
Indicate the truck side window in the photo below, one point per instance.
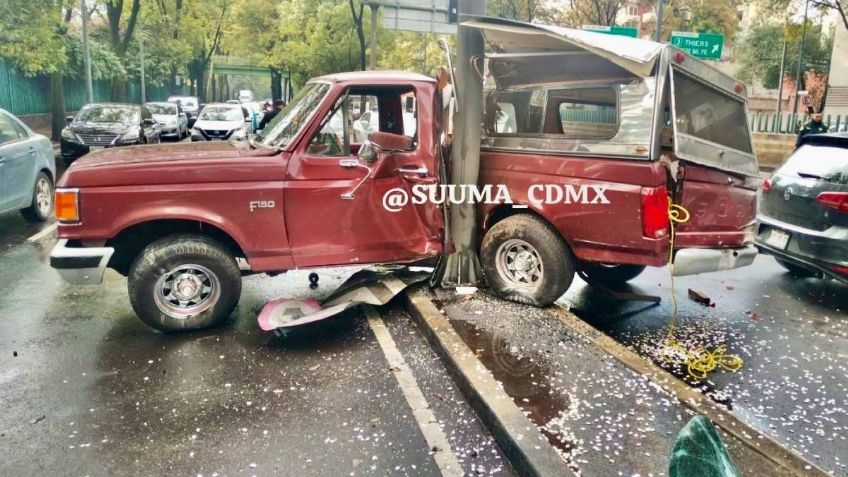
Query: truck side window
516,112
330,140
586,113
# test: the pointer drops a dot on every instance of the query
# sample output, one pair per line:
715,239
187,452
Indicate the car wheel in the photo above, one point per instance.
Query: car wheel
795,270
612,274
41,206
183,283
526,260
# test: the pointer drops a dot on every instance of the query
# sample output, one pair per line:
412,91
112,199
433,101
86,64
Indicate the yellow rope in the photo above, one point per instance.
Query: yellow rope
700,362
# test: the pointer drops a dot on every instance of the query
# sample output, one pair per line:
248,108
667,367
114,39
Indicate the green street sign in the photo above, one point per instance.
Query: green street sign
707,46
613,30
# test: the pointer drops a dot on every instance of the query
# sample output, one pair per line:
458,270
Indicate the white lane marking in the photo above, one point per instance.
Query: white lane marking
43,233
433,434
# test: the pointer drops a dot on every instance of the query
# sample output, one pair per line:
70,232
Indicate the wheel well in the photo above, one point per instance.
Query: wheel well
506,210
132,240
50,175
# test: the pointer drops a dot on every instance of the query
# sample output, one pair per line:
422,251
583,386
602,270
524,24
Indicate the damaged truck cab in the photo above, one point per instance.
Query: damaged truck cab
640,121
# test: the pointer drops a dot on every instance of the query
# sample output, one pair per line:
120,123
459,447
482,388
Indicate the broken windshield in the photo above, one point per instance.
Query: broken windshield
282,129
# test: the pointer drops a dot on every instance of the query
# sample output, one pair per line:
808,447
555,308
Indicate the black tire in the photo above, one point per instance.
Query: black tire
196,252
612,274
38,210
795,270
557,262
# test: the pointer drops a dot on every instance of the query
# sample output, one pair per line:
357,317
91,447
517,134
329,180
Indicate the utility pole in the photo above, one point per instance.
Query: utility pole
373,7
800,58
463,265
658,33
85,52
780,85
141,61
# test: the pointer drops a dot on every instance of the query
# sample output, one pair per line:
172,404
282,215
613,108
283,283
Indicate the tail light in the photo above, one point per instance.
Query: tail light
655,212
834,200
67,205
840,269
766,186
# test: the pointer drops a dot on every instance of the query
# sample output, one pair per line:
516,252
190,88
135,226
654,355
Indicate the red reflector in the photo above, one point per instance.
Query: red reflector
840,269
654,212
679,57
767,185
834,200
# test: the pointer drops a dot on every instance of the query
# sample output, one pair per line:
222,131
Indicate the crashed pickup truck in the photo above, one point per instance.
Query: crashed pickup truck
639,123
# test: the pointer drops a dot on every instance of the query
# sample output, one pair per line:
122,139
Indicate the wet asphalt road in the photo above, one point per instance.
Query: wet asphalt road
791,333
87,389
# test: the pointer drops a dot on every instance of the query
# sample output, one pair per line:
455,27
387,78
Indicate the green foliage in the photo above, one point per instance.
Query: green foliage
104,63
760,59
32,36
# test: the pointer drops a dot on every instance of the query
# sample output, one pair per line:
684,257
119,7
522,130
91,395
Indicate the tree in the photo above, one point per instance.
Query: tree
523,10
206,20
760,59
781,7
356,12
707,16
121,26
591,12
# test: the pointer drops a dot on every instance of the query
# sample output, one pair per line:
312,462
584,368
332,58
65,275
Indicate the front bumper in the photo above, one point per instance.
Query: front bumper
80,266
691,261
72,150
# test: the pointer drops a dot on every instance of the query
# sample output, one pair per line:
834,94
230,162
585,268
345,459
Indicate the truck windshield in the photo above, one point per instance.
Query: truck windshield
282,129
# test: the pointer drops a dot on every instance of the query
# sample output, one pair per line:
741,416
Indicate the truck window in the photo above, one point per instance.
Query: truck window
708,114
587,113
516,112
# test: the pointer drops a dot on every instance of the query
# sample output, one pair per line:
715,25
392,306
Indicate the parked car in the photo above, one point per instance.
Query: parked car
172,120
190,104
27,170
102,125
245,96
303,193
804,209
222,121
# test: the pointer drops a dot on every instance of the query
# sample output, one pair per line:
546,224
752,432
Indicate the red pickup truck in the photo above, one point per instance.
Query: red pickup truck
641,121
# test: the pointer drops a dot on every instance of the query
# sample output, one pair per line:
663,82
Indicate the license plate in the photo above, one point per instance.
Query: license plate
778,239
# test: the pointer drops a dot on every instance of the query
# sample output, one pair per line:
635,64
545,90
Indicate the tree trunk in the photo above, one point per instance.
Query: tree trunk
57,105
276,85
119,89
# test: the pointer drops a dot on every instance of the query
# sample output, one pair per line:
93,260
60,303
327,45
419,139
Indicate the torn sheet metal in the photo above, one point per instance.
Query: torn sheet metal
372,286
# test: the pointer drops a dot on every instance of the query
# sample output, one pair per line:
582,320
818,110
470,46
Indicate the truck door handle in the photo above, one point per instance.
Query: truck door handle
413,170
351,164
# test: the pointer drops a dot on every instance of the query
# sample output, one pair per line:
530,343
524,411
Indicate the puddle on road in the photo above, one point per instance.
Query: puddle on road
524,380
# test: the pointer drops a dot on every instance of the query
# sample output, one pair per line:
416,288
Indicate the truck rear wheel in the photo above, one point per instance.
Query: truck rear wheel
612,274
526,260
183,283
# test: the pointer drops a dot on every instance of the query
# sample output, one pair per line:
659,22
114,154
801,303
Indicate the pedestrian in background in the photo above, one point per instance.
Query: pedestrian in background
279,104
813,126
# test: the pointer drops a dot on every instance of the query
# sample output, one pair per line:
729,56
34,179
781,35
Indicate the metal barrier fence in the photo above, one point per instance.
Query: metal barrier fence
791,123
23,95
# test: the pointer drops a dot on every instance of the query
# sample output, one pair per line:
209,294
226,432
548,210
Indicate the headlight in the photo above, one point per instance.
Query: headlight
130,136
239,133
69,135
196,132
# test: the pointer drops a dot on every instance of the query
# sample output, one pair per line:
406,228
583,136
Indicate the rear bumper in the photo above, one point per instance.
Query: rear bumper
817,251
691,261
80,266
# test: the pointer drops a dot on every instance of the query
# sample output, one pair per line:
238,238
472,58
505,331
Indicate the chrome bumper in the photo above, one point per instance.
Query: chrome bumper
691,261
80,266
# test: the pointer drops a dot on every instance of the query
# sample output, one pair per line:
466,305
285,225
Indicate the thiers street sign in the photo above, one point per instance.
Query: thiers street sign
706,46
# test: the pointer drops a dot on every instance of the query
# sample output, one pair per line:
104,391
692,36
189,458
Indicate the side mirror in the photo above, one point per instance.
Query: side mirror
69,119
368,152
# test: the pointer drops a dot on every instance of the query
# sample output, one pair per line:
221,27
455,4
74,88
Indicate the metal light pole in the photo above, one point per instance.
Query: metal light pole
86,54
658,33
373,7
141,61
780,86
463,265
800,58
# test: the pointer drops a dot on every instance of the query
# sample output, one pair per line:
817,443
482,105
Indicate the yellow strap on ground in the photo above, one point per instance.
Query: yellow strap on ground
700,362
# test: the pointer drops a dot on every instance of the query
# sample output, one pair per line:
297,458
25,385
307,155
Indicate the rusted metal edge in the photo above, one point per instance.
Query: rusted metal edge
758,442
527,449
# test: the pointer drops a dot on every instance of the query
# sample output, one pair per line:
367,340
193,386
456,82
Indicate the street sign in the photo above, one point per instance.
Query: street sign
613,30
707,46
429,16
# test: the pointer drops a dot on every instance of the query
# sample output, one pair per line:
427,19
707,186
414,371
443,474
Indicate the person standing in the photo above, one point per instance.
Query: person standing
279,104
813,126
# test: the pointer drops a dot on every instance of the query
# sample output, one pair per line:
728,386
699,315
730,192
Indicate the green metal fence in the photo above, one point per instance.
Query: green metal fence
790,123
22,95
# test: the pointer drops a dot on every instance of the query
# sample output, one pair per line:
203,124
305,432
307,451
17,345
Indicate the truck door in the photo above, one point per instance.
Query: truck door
334,200
717,173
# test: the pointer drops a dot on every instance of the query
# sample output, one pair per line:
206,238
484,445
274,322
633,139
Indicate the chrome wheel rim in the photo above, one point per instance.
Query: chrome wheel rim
519,264
43,196
186,291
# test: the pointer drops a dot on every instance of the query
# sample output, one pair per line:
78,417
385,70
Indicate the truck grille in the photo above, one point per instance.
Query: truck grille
97,139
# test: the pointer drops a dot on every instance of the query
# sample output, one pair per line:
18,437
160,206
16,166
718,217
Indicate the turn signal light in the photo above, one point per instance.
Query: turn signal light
67,205
655,220
834,200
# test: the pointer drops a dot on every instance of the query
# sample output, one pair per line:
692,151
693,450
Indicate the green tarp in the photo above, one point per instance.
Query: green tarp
699,452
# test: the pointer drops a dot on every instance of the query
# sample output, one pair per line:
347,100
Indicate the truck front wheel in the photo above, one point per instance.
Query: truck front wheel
527,261
184,282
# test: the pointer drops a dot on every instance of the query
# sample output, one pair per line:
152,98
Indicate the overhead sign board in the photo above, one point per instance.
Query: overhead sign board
613,30
429,16
707,46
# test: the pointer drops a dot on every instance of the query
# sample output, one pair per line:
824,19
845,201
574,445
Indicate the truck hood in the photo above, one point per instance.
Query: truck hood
183,151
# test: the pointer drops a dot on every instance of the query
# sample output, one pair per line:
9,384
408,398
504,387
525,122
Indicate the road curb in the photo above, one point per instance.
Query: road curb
770,449
527,449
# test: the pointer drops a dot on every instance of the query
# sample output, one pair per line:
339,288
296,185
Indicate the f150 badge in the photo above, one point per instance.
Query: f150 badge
262,204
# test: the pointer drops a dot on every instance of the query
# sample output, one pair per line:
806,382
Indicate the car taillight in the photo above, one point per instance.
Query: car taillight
834,200
655,212
840,269
766,185
67,205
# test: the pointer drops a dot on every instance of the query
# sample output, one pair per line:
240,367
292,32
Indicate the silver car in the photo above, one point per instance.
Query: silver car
173,122
27,170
